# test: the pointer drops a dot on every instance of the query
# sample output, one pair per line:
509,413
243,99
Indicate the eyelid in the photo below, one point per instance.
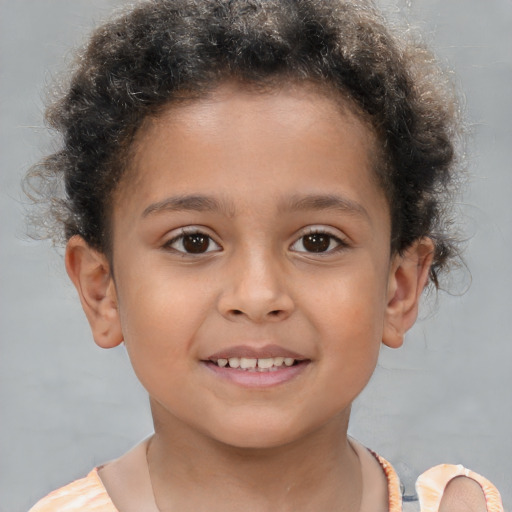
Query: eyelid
341,239
179,233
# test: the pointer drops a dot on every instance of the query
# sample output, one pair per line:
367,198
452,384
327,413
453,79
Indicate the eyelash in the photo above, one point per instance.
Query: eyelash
341,244
184,232
190,233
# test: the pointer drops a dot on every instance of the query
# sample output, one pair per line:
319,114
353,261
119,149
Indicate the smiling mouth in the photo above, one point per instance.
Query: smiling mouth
249,364
259,367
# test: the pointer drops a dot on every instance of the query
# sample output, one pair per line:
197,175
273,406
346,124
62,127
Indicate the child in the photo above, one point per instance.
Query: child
255,199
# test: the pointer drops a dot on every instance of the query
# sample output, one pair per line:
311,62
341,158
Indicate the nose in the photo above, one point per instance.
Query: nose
255,290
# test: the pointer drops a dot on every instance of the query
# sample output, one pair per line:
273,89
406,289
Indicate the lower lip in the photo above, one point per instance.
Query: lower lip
257,379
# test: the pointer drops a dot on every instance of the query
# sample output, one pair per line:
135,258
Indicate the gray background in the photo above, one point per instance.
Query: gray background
67,406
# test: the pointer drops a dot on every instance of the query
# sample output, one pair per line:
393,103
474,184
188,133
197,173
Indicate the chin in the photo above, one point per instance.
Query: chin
258,441
258,434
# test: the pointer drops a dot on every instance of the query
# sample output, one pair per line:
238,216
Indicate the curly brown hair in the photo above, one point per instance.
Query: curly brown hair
164,50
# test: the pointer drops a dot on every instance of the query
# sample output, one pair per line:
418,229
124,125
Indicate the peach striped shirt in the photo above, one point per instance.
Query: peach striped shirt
89,495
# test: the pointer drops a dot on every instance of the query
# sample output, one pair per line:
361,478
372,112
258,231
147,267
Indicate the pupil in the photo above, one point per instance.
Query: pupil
316,242
196,243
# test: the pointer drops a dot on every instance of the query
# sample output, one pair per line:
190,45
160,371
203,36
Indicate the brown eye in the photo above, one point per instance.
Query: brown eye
193,243
316,242
196,244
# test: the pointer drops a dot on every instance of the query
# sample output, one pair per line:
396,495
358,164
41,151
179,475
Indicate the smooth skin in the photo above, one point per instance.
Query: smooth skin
292,235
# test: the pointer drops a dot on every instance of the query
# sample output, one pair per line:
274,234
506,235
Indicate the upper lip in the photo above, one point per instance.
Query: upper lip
251,352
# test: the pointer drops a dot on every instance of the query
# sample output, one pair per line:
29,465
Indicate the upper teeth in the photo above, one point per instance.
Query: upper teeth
250,363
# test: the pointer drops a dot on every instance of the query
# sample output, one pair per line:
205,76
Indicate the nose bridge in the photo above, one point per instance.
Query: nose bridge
256,287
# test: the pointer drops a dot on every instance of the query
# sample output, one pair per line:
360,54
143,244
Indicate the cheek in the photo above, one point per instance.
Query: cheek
348,301
348,313
160,313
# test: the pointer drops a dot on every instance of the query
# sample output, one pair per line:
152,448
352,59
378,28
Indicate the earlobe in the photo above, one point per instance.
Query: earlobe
408,277
90,272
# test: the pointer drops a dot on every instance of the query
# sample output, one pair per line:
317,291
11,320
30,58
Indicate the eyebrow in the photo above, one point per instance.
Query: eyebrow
326,202
194,202
202,203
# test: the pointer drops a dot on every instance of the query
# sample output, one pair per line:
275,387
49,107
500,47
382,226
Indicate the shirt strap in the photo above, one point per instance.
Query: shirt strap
431,485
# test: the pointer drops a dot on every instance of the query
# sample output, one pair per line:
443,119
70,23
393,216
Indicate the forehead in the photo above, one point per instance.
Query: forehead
237,139
282,103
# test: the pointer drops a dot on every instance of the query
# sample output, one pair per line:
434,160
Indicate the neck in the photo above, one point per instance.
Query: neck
191,471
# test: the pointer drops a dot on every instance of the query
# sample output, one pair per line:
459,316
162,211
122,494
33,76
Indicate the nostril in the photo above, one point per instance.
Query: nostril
274,313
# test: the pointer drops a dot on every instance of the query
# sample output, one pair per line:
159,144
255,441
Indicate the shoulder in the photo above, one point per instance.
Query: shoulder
444,488
85,495
453,488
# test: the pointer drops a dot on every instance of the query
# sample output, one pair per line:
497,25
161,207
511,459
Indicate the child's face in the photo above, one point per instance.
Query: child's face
251,225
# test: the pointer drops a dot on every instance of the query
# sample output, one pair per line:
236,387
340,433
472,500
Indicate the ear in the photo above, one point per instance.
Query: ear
90,272
407,278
